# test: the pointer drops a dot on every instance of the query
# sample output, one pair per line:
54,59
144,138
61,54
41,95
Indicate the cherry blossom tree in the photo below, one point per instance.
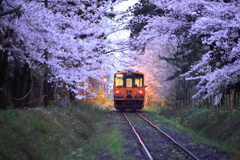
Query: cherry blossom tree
214,24
159,91
64,42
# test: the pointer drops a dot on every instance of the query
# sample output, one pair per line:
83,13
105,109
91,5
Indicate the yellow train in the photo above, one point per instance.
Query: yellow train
129,90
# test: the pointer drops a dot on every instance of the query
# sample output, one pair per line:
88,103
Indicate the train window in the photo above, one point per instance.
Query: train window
138,82
129,82
119,80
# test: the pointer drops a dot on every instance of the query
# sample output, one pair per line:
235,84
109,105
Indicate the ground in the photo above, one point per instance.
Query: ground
133,150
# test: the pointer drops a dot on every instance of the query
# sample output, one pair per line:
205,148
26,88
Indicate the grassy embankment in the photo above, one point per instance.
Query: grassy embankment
216,127
58,133
69,133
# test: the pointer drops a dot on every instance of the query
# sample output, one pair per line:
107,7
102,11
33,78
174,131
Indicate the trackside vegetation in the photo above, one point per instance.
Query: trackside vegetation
56,133
216,127
85,131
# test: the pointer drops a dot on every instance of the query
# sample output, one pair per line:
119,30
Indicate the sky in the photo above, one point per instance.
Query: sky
124,5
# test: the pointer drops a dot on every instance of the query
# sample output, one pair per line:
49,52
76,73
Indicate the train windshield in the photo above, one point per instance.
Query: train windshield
139,82
119,80
129,80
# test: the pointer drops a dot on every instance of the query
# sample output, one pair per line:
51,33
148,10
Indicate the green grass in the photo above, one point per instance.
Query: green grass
106,145
152,109
77,132
83,131
216,127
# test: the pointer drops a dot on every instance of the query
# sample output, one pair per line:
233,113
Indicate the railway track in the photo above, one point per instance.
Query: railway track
156,143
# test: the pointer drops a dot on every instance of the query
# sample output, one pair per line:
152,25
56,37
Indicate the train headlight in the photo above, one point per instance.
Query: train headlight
139,92
118,91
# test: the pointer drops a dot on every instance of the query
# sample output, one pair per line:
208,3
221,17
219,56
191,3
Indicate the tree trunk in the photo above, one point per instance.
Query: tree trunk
3,70
45,92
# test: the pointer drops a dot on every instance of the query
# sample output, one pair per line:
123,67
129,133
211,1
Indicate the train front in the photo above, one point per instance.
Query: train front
129,90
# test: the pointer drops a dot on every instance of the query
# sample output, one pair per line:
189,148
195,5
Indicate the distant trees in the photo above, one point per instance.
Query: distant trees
206,44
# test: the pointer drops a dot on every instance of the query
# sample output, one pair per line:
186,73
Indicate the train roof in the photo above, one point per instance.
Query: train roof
128,70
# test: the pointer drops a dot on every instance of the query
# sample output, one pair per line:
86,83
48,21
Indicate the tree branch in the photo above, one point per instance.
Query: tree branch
10,11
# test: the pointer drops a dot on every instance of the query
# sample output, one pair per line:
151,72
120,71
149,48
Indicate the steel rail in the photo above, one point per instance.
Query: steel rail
170,138
139,139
